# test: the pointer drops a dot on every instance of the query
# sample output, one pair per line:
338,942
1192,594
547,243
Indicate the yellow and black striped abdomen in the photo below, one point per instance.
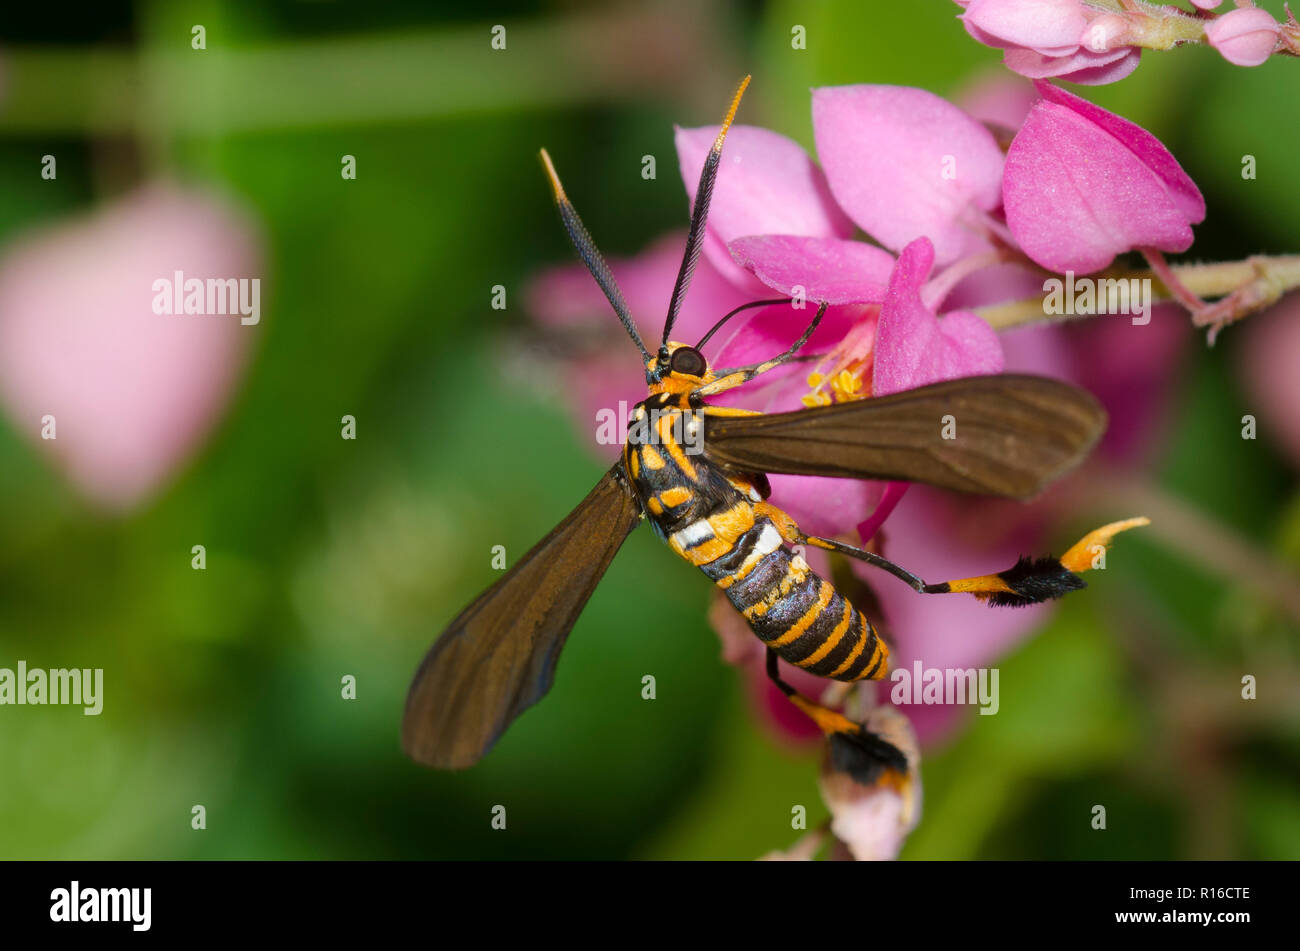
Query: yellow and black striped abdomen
710,519
795,611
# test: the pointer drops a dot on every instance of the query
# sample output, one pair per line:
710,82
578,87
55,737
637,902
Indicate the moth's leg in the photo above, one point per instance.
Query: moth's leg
1029,581
729,379
854,749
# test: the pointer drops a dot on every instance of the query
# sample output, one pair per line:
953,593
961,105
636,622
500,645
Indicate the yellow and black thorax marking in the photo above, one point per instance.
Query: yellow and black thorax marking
720,522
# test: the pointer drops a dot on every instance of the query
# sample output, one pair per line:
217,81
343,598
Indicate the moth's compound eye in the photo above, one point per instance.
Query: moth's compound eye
689,361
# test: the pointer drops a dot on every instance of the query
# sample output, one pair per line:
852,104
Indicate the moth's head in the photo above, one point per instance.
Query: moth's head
677,368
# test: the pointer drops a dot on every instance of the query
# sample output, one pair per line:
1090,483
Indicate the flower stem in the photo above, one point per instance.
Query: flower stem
1244,286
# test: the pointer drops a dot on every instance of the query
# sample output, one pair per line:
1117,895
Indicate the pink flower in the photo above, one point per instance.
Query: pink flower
904,163
132,393
1245,36
1068,214
1054,38
834,270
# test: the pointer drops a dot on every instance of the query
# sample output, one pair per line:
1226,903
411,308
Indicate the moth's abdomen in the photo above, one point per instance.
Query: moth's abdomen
795,611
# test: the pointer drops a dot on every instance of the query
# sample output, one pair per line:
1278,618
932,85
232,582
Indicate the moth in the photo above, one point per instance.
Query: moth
698,474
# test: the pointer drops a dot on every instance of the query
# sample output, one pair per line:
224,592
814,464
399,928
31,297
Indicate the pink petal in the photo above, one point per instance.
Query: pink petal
999,99
1150,150
133,393
913,347
994,285
827,269
824,506
1268,371
887,151
766,184
1069,214
1049,26
1245,36
1133,371
889,499
1084,67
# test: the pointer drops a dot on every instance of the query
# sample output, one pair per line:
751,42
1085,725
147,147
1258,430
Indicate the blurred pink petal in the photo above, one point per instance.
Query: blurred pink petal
833,270
1133,371
1069,214
1268,371
133,393
766,184
824,506
1245,36
904,163
999,99
996,284
913,347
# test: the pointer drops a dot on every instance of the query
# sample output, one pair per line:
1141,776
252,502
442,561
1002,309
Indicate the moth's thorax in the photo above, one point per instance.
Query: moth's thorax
682,493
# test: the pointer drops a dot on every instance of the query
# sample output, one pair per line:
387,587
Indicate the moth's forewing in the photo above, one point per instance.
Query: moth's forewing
498,657
1005,435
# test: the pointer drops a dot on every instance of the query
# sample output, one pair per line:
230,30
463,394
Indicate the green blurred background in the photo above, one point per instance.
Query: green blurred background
329,557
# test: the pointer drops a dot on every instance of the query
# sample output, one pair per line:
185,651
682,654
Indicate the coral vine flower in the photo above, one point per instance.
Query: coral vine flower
1245,36
1053,38
1073,215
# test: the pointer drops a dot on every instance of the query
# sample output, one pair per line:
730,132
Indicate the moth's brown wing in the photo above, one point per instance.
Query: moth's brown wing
497,658
1014,434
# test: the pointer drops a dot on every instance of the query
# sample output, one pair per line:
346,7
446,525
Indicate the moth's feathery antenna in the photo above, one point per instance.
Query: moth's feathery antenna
590,255
700,213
